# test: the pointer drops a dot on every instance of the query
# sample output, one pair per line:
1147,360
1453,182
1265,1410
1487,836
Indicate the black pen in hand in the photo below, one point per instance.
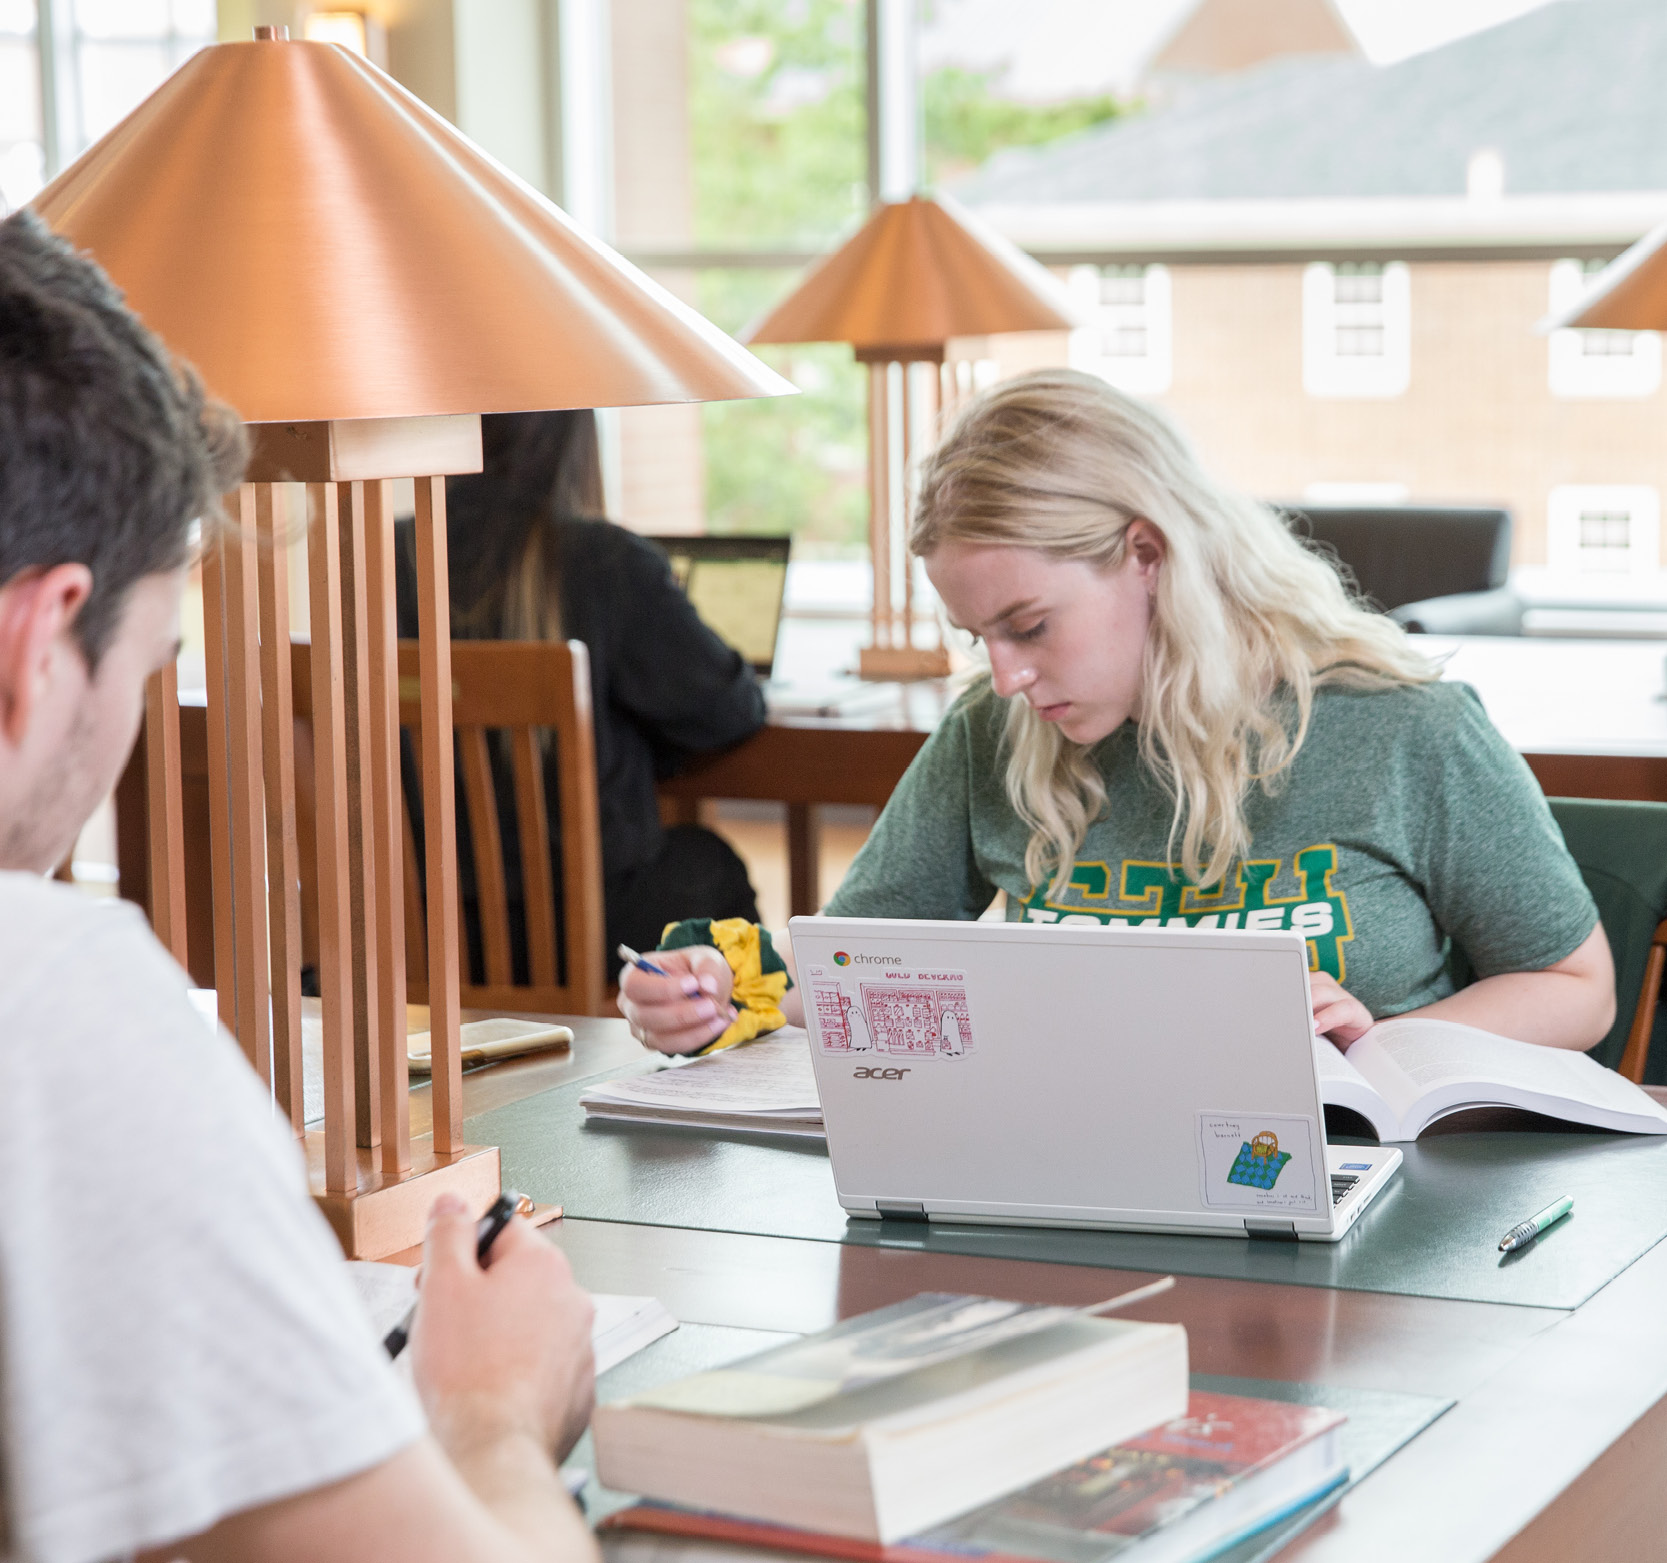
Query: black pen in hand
486,1234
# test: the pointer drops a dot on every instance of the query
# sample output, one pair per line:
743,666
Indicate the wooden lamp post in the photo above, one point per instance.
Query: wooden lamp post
361,283
917,274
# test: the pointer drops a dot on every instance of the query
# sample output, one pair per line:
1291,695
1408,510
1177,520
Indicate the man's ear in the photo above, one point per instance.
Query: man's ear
37,609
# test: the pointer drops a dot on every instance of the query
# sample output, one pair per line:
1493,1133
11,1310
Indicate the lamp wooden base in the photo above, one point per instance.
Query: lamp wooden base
388,1214
903,662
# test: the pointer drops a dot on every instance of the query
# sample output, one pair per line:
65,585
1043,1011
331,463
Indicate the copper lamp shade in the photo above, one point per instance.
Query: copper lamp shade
322,245
1632,295
916,274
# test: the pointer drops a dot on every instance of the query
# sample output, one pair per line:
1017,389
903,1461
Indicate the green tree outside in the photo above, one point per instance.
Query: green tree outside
778,141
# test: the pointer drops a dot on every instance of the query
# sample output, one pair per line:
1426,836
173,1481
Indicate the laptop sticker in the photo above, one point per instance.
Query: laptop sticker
892,1010
1261,1161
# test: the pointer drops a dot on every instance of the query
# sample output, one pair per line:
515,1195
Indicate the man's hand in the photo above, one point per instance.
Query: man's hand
503,1350
1338,1014
684,1010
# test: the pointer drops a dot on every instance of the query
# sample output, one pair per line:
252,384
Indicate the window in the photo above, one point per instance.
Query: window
1128,342
1356,329
1603,530
121,51
1597,363
22,155
105,57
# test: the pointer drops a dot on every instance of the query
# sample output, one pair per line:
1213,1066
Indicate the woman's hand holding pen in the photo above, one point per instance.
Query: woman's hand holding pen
682,1006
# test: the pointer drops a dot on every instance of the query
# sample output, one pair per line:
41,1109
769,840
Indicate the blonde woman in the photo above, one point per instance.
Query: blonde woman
1187,721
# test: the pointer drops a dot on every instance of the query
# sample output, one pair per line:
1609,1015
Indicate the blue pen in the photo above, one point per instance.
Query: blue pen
630,956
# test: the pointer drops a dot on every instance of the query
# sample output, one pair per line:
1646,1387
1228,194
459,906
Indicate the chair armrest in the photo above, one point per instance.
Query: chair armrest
1496,612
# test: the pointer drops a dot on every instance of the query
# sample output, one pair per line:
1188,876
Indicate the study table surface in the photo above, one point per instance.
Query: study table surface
1552,1449
1590,717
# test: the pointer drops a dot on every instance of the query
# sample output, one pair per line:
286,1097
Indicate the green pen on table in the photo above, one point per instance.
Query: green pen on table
1525,1232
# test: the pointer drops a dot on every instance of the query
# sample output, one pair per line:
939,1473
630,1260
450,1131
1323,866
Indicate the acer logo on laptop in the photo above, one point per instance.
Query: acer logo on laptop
878,1074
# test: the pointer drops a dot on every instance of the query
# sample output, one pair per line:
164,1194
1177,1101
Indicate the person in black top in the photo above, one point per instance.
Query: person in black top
529,562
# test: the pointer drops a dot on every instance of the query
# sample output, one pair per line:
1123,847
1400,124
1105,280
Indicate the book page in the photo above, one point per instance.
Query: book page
771,1076
1342,1085
1437,1066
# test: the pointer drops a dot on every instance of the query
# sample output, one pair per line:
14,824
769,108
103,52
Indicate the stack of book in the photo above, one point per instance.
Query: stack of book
950,1427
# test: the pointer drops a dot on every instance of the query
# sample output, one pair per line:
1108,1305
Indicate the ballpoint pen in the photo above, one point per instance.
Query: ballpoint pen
1526,1231
486,1234
631,958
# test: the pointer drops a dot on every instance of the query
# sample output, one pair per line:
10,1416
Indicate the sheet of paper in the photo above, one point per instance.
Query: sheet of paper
772,1076
621,1327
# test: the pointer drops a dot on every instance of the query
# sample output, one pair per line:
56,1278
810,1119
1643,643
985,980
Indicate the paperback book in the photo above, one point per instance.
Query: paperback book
1188,1489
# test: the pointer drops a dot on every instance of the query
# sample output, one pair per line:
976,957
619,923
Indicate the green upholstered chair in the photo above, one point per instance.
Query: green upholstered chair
1621,848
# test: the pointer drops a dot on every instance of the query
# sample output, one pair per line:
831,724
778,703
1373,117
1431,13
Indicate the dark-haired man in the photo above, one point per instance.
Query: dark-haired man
184,1371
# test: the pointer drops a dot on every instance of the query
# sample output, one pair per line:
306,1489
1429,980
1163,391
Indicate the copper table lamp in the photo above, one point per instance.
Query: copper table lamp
1630,295
917,274
362,283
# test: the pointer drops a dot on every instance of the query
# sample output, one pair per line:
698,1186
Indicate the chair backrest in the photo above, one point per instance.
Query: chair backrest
1406,553
1621,848
513,689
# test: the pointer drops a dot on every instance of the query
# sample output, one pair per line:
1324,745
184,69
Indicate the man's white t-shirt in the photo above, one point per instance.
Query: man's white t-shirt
178,1336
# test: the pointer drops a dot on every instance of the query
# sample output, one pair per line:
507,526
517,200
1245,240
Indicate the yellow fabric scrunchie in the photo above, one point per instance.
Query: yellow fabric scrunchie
760,979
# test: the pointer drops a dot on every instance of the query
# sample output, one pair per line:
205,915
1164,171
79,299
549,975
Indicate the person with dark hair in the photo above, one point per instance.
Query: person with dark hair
184,1369
531,559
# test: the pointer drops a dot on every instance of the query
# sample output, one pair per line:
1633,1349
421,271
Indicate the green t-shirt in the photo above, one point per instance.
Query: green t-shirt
1404,822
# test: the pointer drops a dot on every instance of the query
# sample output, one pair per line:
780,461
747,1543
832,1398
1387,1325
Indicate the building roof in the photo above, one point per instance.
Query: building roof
1218,37
1573,98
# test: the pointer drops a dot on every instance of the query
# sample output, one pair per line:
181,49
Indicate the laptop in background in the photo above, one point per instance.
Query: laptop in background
738,585
1150,1079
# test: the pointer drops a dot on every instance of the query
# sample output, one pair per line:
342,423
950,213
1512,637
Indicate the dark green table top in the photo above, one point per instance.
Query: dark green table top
1433,1233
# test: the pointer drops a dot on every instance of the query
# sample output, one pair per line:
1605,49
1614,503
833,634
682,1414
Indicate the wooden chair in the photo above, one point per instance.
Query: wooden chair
515,688
1621,848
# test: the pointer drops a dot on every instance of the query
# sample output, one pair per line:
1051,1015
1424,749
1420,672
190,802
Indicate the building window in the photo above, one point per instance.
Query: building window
1356,328
1603,530
1128,340
1597,363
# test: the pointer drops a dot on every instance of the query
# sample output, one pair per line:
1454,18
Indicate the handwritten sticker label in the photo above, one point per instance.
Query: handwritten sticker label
1258,1162
893,1011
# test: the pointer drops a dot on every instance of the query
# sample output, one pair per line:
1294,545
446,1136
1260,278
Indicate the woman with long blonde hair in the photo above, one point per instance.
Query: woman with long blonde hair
1187,721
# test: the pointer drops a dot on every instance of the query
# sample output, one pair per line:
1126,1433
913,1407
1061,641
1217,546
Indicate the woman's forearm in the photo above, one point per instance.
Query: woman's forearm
1571,1004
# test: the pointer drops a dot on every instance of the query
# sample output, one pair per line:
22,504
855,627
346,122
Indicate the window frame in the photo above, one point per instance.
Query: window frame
1331,374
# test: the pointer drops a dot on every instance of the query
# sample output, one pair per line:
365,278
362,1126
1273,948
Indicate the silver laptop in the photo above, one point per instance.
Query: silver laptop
1151,1080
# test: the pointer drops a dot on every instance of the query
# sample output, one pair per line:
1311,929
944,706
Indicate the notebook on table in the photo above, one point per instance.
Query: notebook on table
1147,1080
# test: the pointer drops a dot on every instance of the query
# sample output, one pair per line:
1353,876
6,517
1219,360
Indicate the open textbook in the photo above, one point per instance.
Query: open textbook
1405,1074
621,1328
766,1087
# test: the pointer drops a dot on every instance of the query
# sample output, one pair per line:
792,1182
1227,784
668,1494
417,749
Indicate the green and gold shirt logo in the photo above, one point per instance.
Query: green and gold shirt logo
1138,893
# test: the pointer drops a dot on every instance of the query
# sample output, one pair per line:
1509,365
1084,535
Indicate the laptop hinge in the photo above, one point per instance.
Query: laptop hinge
900,1210
1272,1231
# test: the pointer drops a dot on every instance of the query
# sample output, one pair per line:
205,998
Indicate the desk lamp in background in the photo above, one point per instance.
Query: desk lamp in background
361,283
916,275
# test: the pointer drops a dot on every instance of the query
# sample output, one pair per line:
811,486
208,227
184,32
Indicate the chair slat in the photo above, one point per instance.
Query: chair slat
533,827
416,919
581,837
490,893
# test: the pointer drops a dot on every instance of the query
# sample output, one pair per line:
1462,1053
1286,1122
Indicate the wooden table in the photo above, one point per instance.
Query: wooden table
1553,1452
1590,718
